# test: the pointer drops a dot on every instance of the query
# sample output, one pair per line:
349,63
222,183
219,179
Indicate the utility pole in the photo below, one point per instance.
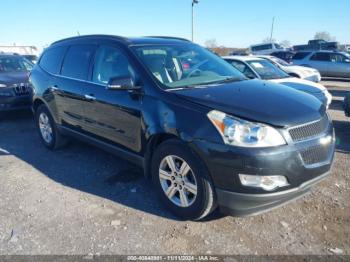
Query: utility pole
273,23
193,3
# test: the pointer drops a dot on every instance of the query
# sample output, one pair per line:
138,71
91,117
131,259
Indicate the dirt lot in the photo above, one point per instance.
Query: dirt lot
81,200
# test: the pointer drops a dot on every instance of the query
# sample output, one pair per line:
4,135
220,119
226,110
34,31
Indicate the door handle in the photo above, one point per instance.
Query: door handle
90,97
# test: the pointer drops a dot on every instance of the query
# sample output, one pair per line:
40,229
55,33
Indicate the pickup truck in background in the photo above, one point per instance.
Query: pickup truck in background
317,44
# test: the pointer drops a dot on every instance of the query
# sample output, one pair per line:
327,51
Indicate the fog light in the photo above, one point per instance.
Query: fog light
267,183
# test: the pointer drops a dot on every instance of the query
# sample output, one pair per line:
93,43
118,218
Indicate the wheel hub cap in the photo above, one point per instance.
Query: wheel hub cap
178,181
45,128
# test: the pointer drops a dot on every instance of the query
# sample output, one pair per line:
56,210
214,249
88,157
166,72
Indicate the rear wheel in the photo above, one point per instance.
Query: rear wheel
182,181
48,132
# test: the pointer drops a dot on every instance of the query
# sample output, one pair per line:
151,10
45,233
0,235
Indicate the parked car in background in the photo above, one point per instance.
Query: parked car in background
15,90
31,58
347,104
284,55
207,135
255,67
317,44
265,49
328,63
302,72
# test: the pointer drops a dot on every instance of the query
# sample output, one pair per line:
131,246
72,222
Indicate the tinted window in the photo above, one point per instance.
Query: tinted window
262,47
77,60
51,59
111,62
321,57
301,55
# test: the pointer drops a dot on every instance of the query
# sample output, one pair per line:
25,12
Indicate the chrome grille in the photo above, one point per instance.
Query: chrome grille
310,130
21,89
316,154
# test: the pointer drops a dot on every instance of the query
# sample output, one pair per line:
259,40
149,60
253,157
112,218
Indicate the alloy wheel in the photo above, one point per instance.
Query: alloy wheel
178,181
45,128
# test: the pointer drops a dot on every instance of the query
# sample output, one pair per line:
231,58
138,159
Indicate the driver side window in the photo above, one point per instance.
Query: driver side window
111,62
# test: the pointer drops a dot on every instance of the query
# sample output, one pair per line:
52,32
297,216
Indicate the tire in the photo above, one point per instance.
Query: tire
195,179
56,141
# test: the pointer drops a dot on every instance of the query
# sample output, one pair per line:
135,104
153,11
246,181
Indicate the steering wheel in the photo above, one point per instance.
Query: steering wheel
196,68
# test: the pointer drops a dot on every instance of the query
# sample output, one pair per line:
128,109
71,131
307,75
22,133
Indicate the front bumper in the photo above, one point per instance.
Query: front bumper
314,78
295,161
239,204
10,103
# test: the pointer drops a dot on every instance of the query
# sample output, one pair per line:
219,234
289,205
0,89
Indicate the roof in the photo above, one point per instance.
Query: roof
126,40
243,58
266,56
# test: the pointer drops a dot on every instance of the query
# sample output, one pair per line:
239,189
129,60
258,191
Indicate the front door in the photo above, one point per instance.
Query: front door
113,115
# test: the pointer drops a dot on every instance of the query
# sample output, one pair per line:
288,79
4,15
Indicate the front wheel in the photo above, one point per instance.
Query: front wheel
182,181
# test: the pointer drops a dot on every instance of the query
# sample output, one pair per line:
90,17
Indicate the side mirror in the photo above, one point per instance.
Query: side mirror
121,83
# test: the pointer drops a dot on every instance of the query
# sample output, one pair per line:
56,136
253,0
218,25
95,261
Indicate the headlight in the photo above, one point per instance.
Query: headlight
238,132
3,85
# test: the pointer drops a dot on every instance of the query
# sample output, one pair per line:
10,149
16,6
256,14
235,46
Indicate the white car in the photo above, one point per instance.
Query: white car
265,49
302,72
256,67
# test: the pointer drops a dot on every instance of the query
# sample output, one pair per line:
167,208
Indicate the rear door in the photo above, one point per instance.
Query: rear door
113,115
69,85
321,61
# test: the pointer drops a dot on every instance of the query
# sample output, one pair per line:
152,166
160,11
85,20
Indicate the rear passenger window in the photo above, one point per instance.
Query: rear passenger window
321,57
52,58
77,60
300,55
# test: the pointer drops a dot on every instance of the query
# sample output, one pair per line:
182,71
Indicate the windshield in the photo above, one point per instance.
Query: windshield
280,61
188,65
10,64
266,70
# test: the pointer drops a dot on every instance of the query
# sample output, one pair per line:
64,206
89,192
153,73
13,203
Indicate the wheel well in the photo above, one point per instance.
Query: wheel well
37,103
153,143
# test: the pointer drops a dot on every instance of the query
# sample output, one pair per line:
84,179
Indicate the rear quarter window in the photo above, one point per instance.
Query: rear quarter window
52,58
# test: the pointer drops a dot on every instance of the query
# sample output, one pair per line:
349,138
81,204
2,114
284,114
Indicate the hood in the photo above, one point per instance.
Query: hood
301,84
259,101
14,77
302,69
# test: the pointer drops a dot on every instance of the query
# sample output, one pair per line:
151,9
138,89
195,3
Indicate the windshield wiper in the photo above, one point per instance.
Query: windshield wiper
205,84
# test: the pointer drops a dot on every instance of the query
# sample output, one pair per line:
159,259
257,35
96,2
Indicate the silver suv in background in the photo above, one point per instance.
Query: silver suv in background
329,63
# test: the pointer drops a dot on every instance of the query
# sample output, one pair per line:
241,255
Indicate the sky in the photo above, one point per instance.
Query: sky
232,23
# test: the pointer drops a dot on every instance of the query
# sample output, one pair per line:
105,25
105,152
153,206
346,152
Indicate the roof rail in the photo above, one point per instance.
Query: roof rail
88,36
170,37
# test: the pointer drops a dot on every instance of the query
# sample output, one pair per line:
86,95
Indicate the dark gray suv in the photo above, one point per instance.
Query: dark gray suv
15,90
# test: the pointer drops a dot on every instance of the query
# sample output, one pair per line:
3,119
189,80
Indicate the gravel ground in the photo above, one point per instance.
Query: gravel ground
81,200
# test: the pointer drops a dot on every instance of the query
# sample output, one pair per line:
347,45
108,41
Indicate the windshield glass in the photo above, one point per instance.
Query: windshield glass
188,65
10,64
280,61
266,70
